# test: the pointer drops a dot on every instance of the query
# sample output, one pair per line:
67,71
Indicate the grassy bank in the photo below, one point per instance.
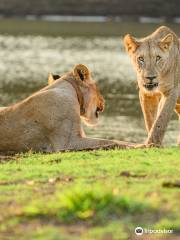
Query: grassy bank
70,29
89,195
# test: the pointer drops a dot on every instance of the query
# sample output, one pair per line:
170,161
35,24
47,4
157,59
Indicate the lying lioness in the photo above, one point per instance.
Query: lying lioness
49,120
156,59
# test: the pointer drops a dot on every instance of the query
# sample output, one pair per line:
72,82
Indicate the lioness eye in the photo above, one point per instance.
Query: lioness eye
158,58
141,59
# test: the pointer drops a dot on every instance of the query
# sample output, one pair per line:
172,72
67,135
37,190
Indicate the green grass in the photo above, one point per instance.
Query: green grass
89,195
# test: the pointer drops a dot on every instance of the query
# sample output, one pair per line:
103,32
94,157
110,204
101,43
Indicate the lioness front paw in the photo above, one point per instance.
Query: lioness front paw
147,145
153,145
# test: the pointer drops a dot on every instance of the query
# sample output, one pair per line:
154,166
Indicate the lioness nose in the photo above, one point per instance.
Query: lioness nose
151,78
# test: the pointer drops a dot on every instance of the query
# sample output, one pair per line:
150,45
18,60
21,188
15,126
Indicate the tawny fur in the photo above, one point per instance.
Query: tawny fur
50,120
157,55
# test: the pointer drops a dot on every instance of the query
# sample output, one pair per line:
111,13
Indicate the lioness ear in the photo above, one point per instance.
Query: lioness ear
130,43
81,72
165,43
52,78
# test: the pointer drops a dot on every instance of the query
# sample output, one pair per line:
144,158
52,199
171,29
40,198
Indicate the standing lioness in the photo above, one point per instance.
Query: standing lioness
49,120
156,59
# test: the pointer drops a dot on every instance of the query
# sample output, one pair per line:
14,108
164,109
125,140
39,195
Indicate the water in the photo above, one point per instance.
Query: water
25,62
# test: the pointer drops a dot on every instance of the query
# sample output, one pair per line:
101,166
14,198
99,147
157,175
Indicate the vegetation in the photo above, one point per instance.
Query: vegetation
89,195
91,7
86,29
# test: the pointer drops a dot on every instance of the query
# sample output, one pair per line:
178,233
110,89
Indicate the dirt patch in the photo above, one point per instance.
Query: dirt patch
171,184
128,174
61,179
64,179
58,160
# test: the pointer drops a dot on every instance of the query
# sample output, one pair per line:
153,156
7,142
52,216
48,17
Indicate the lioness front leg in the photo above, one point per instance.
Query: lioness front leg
94,143
149,106
62,139
178,112
167,105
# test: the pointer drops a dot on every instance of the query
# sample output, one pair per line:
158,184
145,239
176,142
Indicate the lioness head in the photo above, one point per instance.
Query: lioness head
153,57
93,100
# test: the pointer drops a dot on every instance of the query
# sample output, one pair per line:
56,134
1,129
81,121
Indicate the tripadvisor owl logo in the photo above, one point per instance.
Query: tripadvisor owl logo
139,231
